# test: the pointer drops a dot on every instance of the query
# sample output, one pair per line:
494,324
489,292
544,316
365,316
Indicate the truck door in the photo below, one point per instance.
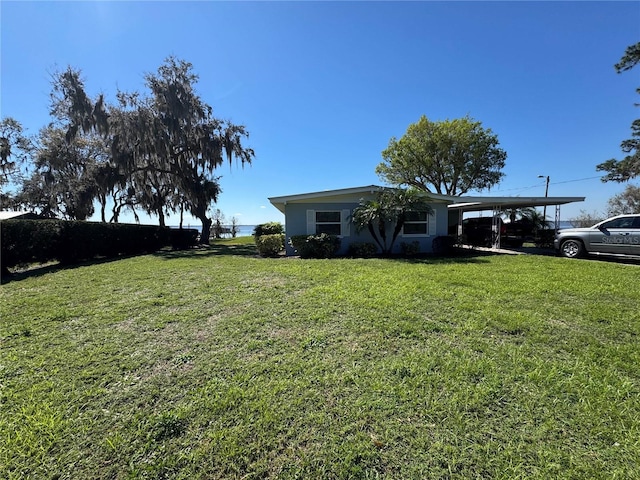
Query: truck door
614,236
634,244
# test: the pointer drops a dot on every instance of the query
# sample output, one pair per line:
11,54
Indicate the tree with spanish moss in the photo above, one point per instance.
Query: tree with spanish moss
63,181
168,144
15,150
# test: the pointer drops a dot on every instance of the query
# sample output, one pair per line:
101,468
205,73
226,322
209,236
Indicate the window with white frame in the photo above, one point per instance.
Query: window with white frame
331,222
416,223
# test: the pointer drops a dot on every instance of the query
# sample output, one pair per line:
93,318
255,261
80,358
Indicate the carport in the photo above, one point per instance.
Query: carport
496,205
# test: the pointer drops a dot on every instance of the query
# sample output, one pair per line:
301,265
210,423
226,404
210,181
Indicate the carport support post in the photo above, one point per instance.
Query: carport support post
495,227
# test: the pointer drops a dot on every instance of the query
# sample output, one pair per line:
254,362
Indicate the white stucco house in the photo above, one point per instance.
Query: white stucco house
330,212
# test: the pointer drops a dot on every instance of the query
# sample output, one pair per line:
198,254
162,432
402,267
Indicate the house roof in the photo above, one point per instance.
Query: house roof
7,215
329,196
464,203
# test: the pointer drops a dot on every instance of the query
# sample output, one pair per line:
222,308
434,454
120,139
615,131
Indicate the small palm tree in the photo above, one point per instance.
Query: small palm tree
389,208
514,213
536,218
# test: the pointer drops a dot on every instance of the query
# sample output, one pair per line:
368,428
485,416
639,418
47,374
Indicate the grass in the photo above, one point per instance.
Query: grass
218,364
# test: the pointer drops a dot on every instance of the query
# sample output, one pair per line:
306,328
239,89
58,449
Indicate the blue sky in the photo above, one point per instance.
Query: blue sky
323,86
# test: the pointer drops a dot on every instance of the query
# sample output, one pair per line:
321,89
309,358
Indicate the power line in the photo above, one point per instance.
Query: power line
550,183
577,180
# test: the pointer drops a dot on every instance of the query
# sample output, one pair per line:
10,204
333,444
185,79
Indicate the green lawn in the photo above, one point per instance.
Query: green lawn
217,364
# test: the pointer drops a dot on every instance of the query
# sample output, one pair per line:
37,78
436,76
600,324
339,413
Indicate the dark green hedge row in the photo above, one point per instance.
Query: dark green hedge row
39,241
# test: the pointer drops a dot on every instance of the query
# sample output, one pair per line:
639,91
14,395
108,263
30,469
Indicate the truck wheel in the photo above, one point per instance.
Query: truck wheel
572,248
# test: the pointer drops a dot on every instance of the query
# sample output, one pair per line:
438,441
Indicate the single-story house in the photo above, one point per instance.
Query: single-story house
330,212
18,215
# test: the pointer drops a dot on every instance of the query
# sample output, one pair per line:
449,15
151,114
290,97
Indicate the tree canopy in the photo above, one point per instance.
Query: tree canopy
15,148
629,167
626,202
156,151
64,178
449,157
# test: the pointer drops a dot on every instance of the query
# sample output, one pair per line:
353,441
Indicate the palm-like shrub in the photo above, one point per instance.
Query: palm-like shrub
387,214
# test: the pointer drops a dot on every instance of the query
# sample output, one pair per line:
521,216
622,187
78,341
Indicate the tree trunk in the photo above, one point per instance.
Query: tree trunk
206,229
382,230
103,206
374,236
396,232
115,210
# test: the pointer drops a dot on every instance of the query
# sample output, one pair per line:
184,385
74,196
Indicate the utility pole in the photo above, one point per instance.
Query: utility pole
546,194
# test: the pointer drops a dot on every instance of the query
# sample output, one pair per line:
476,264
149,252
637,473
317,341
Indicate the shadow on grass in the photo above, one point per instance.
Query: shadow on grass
40,270
202,252
459,256
216,249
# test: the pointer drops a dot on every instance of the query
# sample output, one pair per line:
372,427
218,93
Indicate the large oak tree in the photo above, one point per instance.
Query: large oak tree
449,157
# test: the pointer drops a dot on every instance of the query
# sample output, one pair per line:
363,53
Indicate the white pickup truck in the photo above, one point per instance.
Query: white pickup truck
615,236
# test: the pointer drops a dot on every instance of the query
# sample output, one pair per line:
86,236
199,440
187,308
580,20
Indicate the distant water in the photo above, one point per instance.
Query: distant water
561,224
243,230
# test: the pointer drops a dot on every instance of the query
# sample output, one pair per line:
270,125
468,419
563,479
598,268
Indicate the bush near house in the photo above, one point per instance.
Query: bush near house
410,249
269,228
269,238
315,246
270,245
444,245
363,250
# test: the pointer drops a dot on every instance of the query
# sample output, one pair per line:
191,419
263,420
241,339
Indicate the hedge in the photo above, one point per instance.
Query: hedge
269,228
315,246
270,245
38,241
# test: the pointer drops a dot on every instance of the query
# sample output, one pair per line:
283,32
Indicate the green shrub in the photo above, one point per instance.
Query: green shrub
28,241
444,245
39,241
315,246
363,249
270,245
183,239
270,228
410,249
297,242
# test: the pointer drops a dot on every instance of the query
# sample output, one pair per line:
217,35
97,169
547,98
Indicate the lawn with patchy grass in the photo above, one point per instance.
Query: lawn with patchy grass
217,364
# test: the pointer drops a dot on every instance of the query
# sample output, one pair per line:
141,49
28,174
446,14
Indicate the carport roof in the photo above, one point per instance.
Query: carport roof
473,204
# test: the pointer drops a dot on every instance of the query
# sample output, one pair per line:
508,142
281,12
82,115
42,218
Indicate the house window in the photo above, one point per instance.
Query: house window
416,223
328,222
